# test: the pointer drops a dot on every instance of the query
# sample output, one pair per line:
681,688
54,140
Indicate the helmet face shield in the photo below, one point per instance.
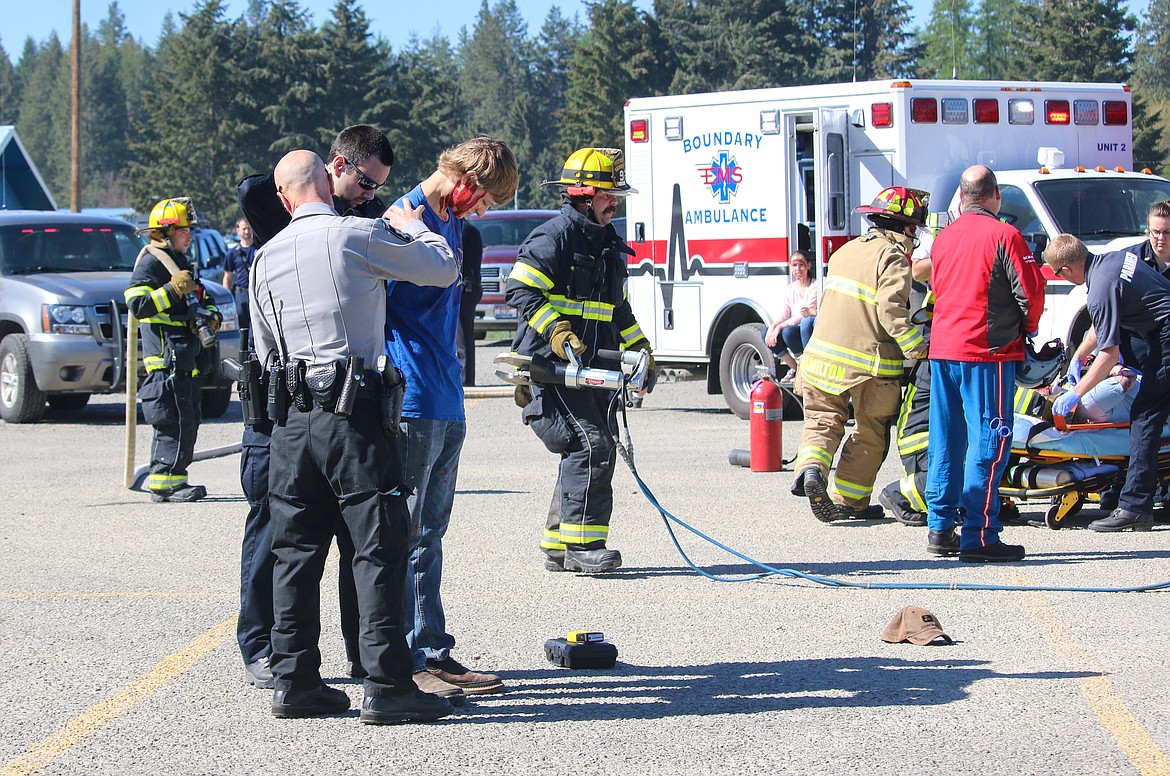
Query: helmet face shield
1040,368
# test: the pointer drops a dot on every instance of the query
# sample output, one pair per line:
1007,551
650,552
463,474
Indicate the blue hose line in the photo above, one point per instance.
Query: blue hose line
771,571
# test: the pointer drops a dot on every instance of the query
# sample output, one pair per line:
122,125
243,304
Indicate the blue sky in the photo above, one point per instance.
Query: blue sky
393,20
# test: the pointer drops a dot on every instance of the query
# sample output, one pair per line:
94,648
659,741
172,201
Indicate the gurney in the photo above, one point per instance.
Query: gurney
1071,466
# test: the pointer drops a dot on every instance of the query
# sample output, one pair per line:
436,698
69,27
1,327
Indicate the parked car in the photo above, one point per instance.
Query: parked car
502,231
208,250
63,314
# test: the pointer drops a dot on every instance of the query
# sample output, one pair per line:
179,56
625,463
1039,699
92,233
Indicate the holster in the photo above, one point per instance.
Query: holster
390,394
355,367
298,390
322,384
277,393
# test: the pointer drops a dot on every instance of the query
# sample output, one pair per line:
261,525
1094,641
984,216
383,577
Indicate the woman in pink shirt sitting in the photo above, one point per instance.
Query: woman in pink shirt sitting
793,327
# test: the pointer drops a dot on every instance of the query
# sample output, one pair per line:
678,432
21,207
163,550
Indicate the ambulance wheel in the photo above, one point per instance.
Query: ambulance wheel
1065,505
743,351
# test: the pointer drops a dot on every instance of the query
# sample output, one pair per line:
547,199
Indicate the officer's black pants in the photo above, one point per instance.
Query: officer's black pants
170,403
326,467
582,501
1147,418
254,626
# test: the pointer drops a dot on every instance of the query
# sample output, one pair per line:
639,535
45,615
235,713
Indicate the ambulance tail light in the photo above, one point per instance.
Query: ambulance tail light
1116,113
638,133
881,114
924,110
986,111
1056,112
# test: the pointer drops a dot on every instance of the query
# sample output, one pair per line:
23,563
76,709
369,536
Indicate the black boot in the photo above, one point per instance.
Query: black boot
942,542
993,553
1123,519
592,561
184,493
554,560
823,508
892,499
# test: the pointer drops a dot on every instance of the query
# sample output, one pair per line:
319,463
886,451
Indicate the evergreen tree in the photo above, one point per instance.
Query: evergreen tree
495,60
353,80
44,112
1067,30
187,147
947,42
9,91
553,51
614,61
1151,76
105,115
858,41
1001,27
425,80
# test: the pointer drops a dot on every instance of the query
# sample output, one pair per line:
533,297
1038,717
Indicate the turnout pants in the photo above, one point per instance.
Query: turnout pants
875,403
326,469
170,403
575,423
1147,418
913,440
971,438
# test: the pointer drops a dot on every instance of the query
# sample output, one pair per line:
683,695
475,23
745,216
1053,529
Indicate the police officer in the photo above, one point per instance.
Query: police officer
1124,294
855,355
176,319
357,153
568,285
320,306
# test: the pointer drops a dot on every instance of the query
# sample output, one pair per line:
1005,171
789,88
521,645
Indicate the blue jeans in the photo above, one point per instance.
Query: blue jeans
794,338
970,440
430,457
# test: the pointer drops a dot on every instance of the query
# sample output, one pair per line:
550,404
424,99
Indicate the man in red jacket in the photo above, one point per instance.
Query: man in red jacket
989,294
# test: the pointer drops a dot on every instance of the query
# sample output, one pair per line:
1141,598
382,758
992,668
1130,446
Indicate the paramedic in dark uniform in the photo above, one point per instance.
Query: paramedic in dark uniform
318,298
1123,293
569,288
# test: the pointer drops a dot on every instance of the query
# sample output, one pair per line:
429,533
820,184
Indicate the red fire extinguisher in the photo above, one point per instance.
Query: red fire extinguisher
767,428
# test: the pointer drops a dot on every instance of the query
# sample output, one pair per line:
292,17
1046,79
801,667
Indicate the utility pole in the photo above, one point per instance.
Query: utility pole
75,118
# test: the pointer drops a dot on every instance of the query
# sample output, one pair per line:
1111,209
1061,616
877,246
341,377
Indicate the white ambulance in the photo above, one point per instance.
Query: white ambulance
731,183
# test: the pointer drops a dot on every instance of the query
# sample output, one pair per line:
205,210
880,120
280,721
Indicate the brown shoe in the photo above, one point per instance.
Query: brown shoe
471,682
429,683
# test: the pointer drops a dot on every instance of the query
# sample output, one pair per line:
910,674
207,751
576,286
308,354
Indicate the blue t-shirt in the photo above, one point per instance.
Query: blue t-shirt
238,261
421,326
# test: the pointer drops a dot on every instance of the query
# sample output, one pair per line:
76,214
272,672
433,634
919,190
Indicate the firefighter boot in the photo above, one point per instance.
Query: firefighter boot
592,561
554,560
181,493
823,508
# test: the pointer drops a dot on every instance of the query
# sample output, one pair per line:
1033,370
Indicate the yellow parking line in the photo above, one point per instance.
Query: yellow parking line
93,719
1133,739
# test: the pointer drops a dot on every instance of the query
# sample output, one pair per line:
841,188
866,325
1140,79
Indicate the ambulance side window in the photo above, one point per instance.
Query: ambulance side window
1017,211
835,144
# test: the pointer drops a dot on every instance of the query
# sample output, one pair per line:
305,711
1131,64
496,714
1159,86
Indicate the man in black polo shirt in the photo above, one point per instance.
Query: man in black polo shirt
1124,293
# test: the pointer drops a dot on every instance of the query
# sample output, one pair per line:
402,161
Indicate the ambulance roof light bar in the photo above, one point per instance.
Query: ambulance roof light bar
1050,157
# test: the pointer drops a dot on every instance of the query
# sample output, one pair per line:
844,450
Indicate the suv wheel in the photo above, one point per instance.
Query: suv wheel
215,402
21,401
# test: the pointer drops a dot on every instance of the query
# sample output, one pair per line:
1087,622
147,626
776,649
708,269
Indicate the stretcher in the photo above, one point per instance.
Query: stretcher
1069,466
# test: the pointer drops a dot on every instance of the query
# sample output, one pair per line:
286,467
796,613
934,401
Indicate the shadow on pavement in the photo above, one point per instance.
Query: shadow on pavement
645,692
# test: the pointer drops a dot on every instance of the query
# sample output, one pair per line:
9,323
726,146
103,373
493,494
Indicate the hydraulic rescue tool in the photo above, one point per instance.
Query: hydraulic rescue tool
538,370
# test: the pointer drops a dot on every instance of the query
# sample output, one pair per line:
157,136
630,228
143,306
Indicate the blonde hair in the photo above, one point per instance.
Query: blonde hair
490,159
1065,250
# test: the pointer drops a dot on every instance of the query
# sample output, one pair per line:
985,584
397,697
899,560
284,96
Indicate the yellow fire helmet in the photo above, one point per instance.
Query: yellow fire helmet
589,170
171,213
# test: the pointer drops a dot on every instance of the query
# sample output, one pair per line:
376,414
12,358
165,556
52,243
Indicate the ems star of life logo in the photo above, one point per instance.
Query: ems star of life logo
723,176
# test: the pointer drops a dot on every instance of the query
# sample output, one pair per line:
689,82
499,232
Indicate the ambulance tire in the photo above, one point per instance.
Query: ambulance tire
743,351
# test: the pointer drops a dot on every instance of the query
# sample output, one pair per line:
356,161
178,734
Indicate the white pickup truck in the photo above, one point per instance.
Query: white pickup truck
1105,208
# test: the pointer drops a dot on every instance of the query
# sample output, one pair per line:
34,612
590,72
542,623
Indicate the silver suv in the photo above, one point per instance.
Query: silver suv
63,315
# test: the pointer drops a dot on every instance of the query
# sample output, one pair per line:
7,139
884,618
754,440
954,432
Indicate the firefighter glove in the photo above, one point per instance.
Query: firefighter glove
651,367
215,322
562,334
919,354
183,282
522,396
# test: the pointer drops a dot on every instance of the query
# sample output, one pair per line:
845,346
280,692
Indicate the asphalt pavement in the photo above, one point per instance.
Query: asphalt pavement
117,621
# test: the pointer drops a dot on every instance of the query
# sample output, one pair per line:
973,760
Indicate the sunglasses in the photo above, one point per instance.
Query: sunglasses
365,181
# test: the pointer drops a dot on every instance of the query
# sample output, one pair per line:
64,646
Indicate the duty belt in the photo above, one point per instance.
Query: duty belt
332,387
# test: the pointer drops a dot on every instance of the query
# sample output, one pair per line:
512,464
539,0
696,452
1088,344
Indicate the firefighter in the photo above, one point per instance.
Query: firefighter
568,285
177,323
856,352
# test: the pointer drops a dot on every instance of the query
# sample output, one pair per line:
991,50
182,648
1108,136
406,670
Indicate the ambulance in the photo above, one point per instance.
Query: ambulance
730,183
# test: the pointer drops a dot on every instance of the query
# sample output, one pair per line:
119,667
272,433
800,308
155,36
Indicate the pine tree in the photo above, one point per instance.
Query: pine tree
1001,28
614,61
9,91
553,51
1151,76
105,115
187,145
353,82
426,82
947,41
1066,30
44,112
495,60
